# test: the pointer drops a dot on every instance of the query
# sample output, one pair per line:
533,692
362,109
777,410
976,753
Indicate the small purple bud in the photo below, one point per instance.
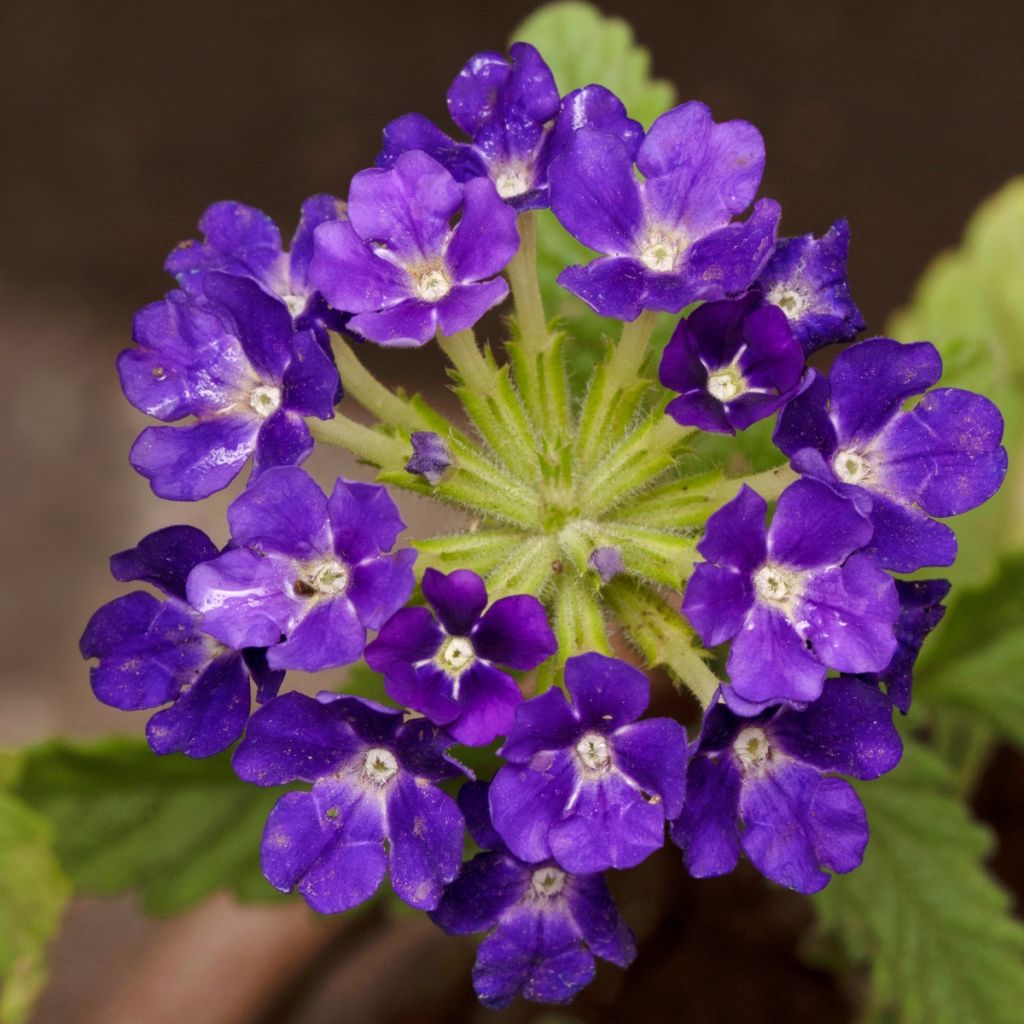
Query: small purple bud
431,456
606,562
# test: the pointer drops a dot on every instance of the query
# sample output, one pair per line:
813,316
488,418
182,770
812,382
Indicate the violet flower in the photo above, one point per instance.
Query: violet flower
940,458
154,652
307,575
398,264
734,362
374,782
431,456
518,124
232,361
667,240
445,668
545,926
806,278
796,599
766,786
586,784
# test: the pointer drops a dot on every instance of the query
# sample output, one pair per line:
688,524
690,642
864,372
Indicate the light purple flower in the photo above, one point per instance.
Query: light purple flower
668,240
446,668
734,362
512,111
796,599
399,265
921,610
767,786
307,575
244,241
154,652
431,456
545,926
233,362
586,784
940,458
606,562
806,279
373,778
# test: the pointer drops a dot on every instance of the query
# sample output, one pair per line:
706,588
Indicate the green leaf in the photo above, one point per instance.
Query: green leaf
922,913
970,303
975,662
174,828
33,892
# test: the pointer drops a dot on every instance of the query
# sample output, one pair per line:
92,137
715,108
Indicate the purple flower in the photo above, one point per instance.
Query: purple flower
244,241
796,599
806,279
587,784
445,669
546,926
606,562
399,265
766,785
668,240
512,111
232,361
940,458
153,652
431,456
921,610
307,575
373,778
733,362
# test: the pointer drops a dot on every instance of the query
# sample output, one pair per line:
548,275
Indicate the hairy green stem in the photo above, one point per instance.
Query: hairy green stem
362,441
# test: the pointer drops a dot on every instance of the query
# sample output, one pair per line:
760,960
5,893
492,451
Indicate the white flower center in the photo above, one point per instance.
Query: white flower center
754,751
456,655
511,181
547,883
326,578
776,586
295,303
265,400
850,466
726,384
379,766
660,251
794,302
430,283
594,753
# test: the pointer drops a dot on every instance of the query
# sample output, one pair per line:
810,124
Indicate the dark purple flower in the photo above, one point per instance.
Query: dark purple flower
431,456
373,778
244,241
668,240
445,667
921,610
940,458
232,361
806,279
734,362
796,599
587,784
512,111
546,926
399,265
766,786
307,575
154,652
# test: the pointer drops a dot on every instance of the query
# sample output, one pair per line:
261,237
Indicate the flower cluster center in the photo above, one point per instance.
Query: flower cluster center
327,578
511,181
265,400
660,252
295,303
726,383
774,585
547,883
379,766
430,282
792,301
456,654
595,753
850,466
754,751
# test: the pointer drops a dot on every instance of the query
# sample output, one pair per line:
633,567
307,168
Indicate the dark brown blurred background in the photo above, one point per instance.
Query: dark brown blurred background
121,122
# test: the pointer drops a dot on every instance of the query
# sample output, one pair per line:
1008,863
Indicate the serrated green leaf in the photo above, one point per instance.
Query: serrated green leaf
33,892
922,913
174,828
975,662
970,303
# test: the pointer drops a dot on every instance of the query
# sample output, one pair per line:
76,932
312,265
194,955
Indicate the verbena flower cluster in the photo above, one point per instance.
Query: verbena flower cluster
584,538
